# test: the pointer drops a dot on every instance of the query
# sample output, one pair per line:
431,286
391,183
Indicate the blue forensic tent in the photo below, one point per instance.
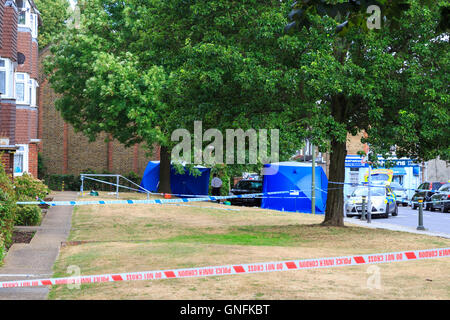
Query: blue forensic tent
294,177
186,184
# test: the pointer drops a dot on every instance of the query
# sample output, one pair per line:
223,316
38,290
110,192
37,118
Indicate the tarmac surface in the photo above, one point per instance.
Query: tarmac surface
35,260
435,223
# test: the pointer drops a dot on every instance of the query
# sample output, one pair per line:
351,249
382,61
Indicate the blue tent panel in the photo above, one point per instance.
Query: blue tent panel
150,179
189,184
180,183
294,176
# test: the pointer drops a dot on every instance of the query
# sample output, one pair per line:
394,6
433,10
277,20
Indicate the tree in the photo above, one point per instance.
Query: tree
390,83
139,69
54,14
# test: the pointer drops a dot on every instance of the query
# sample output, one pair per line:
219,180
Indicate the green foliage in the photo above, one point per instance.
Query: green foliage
141,69
42,169
2,249
390,83
55,182
28,215
7,209
73,182
28,188
353,13
54,13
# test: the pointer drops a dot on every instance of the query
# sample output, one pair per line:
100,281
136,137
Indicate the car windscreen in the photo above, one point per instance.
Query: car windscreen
249,185
379,177
359,192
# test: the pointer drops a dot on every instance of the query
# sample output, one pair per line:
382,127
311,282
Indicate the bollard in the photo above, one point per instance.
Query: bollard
420,226
387,210
363,209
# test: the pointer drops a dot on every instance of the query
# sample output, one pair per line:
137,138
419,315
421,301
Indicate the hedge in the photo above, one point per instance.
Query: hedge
7,211
73,182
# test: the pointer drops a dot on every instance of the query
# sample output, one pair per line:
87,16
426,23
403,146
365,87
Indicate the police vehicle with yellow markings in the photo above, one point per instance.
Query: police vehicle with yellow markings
383,201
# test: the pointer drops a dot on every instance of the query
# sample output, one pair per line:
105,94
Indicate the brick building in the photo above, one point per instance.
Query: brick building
64,151
19,22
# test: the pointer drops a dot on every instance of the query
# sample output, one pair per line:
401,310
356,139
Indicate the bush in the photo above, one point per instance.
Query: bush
29,215
55,182
2,249
73,183
28,188
7,209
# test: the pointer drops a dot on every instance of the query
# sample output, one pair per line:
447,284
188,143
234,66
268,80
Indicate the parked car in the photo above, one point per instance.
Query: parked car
380,196
425,191
247,187
400,194
441,199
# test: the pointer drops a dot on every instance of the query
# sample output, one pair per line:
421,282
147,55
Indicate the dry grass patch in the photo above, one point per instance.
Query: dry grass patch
159,237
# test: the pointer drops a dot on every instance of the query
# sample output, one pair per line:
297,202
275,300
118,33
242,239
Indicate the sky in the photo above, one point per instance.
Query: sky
72,3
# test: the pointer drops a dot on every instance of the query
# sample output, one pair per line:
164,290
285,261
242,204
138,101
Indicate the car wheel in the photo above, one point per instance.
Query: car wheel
405,204
386,214
395,213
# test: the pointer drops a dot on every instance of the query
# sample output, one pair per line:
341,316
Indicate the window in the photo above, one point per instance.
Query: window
354,175
2,76
20,88
364,191
21,160
25,89
30,91
6,76
22,11
398,179
34,24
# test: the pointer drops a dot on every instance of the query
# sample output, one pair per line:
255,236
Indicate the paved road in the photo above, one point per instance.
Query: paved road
433,221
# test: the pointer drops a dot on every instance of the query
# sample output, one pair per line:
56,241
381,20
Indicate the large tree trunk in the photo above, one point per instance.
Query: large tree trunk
334,213
164,170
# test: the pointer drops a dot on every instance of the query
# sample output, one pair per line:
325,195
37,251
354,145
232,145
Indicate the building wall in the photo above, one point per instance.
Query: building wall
8,120
66,152
438,170
8,32
8,54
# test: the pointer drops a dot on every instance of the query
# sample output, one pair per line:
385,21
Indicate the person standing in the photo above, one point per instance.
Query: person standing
216,184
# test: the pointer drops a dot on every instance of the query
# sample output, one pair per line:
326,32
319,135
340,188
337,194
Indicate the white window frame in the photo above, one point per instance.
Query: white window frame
34,25
31,18
24,153
8,68
26,9
25,82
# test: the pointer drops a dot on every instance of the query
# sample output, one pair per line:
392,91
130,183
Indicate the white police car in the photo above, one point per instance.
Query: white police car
382,197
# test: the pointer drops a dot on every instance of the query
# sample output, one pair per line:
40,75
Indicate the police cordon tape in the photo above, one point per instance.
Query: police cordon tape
234,269
155,201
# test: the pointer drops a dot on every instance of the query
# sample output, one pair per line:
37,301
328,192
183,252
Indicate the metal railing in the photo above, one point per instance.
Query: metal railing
90,176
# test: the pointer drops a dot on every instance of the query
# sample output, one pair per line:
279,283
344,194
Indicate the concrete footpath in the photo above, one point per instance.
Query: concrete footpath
36,259
394,227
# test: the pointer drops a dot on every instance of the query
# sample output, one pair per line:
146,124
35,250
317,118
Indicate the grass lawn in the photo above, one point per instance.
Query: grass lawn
128,238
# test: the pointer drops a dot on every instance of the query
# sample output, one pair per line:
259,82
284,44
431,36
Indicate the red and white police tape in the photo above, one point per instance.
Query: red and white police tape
239,268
